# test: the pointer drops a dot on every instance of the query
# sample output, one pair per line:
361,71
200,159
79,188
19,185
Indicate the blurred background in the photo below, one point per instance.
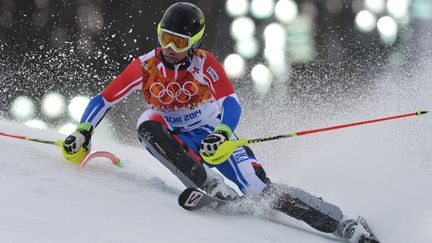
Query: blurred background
57,54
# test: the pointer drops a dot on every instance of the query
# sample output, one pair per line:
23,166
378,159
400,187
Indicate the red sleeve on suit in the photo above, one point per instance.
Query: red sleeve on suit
128,80
215,75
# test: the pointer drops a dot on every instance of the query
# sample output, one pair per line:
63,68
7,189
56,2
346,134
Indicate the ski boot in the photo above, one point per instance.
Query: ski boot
355,231
215,186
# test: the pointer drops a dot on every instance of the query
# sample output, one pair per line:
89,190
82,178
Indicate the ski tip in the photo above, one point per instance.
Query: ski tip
189,198
372,238
183,197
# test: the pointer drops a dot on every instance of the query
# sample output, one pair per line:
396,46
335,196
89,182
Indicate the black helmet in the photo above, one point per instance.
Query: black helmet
183,19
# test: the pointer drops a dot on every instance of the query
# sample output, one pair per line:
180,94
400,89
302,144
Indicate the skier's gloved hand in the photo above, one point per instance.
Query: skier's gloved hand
78,144
211,143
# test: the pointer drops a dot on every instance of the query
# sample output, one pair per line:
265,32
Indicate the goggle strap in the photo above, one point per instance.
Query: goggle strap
194,39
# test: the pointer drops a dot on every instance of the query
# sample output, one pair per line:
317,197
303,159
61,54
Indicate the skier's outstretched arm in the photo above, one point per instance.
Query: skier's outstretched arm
128,81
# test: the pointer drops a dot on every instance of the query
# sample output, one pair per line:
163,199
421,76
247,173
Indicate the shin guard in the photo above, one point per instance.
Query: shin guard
164,147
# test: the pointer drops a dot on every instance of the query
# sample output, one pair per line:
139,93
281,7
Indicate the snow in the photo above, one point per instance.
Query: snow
46,199
381,171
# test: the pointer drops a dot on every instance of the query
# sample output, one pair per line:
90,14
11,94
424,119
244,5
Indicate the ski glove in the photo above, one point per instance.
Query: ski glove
211,143
81,138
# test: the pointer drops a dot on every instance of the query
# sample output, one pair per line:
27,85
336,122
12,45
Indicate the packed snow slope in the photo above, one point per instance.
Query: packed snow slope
46,199
43,198
382,171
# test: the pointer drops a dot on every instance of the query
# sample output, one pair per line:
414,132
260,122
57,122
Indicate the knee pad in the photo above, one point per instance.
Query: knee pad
169,151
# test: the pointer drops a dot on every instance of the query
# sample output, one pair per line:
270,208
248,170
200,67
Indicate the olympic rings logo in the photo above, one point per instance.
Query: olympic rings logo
173,92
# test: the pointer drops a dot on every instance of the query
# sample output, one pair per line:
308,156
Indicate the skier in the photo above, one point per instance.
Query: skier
193,106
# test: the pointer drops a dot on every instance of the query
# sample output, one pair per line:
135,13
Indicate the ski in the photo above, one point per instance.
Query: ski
193,199
372,239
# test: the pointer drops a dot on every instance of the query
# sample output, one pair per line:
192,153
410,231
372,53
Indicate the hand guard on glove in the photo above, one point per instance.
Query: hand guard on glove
77,144
211,143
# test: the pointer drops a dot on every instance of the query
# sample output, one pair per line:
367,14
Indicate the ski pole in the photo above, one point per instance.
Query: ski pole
81,156
57,143
228,147
74,158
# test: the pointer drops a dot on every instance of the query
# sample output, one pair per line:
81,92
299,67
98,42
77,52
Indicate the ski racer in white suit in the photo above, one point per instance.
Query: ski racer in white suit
192,105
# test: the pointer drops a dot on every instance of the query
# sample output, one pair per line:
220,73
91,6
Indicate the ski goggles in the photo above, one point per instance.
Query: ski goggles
177,42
